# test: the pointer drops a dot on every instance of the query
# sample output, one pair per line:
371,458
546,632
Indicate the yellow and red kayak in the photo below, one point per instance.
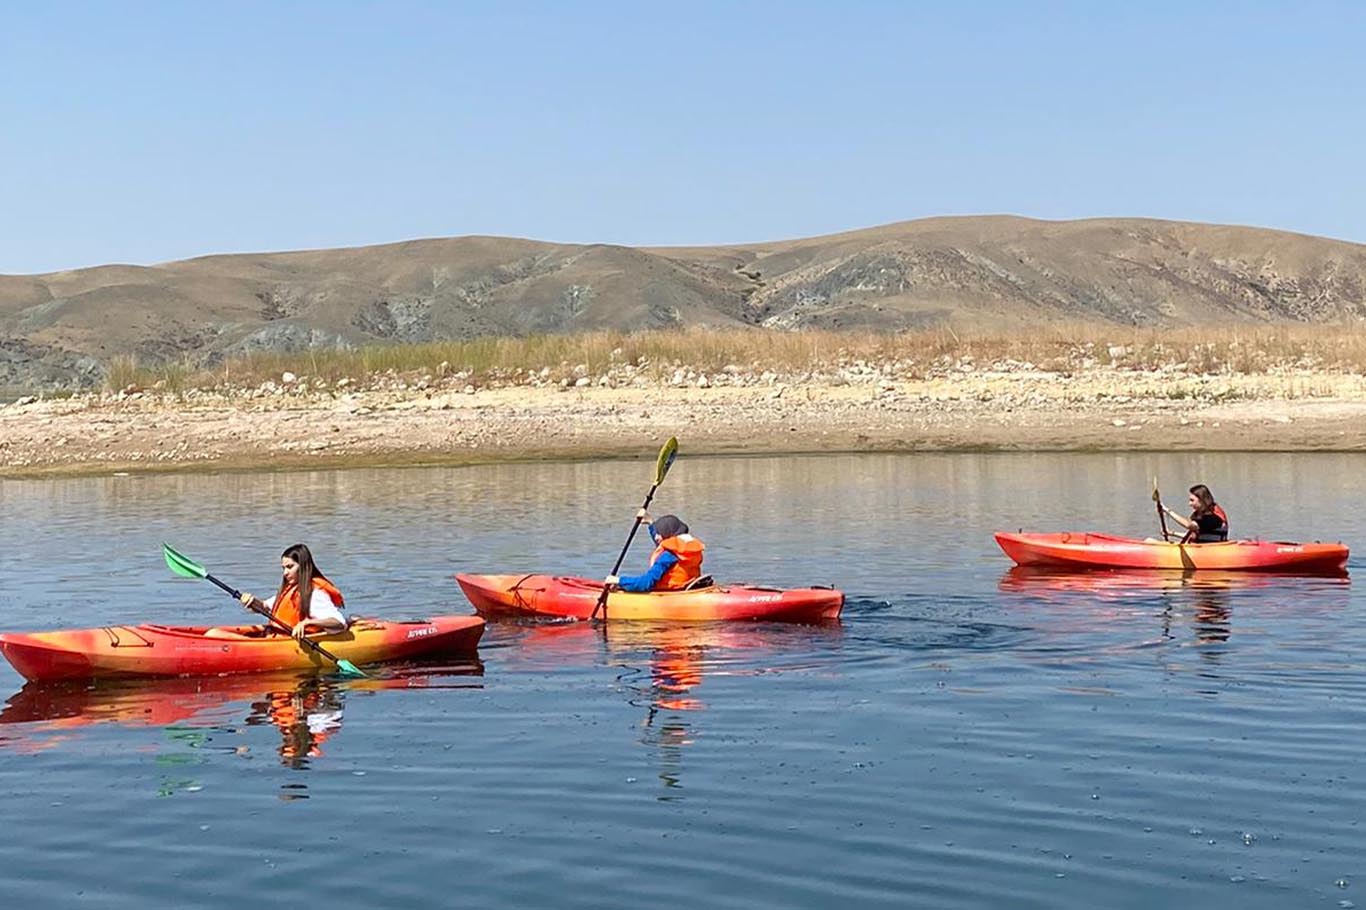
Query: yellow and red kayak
563,597
1080,550
153,650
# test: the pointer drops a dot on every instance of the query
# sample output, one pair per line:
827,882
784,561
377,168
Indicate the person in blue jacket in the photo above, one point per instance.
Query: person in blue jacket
675,563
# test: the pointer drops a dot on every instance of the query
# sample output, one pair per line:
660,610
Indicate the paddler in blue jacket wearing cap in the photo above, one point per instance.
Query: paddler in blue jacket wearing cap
675,563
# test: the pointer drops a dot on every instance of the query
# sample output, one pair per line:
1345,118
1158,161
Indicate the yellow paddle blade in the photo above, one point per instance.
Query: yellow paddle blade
667,454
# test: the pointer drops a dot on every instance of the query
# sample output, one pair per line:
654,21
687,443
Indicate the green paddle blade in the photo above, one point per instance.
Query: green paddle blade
349,668
1157,497
181,564
667,454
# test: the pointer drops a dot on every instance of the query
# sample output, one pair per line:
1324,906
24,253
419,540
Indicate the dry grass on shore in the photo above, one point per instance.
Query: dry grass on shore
1055,348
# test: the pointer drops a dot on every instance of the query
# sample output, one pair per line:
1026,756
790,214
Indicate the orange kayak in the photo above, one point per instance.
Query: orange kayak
563,597
153,650
1080,550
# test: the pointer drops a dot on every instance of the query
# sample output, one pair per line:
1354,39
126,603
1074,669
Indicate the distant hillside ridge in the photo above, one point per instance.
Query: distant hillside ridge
63,329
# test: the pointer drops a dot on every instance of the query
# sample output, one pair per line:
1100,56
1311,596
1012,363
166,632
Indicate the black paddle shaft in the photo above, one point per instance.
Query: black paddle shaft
1162,518
1161,511
226,587
275,623
621,557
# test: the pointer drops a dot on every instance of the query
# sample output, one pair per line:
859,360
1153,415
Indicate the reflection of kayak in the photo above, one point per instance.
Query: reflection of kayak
161,701
1045,579
43,714
136,702
151,650
1083,550
566,642
574,598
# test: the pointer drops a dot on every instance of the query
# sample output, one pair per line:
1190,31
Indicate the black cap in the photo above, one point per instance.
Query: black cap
667,526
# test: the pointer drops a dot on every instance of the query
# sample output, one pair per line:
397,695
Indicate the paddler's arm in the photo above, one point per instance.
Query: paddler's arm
1182,520
644,583
312,624
254,603
323,616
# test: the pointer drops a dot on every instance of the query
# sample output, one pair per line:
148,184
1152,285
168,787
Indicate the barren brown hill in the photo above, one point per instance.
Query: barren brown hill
63,328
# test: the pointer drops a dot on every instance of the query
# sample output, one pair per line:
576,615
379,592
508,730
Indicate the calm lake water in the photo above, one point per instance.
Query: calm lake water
967,736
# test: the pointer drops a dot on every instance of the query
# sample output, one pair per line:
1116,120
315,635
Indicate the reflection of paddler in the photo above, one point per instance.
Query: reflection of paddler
676,668
306,717
1212,615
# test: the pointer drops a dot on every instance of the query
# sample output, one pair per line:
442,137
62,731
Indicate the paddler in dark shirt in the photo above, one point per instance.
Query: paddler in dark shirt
1207,522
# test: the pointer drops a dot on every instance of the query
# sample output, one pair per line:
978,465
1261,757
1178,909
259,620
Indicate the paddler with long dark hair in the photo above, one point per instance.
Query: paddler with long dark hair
1207,522
307,601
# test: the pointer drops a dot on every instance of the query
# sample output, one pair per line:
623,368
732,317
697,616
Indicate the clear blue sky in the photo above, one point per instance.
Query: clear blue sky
144,132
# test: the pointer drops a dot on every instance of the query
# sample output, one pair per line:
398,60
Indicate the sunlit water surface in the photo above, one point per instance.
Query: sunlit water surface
968,736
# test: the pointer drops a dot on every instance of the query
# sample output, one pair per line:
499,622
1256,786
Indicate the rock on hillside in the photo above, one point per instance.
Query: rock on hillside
63,328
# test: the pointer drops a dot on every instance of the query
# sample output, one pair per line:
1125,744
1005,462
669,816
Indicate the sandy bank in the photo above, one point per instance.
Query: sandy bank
290,425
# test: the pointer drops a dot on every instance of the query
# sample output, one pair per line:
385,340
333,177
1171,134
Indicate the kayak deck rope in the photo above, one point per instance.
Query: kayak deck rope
116,642
516,590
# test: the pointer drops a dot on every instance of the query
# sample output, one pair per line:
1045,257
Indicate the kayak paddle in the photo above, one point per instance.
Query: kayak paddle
182,565
1161,513
667,453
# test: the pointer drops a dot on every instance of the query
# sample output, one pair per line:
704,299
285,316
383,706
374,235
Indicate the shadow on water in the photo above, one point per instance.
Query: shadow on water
198,712
663,669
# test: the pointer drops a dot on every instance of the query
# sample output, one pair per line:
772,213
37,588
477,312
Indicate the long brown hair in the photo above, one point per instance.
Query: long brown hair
308,570
1207,503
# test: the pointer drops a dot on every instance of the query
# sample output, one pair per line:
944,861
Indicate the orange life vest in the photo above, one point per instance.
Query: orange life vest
688,550
289,611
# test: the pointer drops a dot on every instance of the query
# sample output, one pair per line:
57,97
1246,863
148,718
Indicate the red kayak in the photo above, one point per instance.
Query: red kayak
152,650
1079,550
563,597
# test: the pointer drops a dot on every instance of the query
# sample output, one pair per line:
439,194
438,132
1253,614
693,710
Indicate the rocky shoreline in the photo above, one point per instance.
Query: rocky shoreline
295,422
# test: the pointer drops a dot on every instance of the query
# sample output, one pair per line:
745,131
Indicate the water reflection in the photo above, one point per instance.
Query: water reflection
663,669
1042,581
1203,599
201,714
306,714
678,662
